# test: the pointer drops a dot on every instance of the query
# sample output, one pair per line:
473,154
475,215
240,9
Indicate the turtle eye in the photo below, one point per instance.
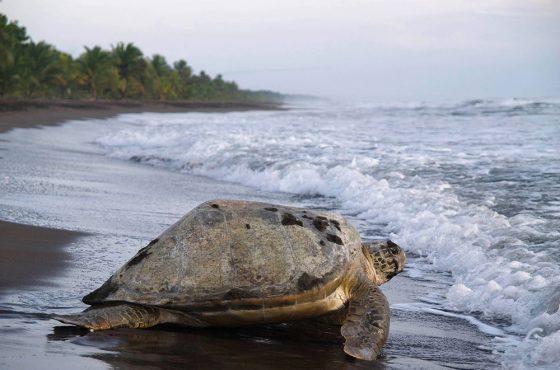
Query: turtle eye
393,248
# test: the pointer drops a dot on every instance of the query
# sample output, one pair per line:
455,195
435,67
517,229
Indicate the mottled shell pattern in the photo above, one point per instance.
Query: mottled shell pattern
227,250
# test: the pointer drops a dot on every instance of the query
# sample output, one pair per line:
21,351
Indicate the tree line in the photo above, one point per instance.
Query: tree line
38,70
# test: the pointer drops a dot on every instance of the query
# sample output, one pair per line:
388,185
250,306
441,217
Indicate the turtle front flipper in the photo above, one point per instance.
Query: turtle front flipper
367,323
115,316
127,316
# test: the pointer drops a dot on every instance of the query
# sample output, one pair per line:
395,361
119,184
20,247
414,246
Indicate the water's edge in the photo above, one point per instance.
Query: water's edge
396,172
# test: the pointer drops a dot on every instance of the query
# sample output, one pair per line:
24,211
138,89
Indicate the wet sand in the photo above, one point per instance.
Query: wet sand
29,255
32,113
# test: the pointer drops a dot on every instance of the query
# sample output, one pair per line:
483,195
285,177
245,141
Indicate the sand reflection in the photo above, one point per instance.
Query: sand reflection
286,346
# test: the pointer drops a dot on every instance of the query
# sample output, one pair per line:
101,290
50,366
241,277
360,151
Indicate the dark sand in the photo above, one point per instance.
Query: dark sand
32,113
29,255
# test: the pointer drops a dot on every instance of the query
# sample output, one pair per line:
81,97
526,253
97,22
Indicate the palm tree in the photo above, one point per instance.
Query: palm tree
160,65
69,79
8,75
12,37
95,69
130,64
184,70
6,55
40,68
201,86
184,74
162,79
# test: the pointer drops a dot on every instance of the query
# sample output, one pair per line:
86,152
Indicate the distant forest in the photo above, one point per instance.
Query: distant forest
31,69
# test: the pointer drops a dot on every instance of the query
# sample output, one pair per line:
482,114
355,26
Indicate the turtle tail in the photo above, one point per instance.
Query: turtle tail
115,316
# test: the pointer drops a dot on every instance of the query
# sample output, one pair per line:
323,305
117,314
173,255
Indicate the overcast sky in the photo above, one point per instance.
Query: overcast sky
371,49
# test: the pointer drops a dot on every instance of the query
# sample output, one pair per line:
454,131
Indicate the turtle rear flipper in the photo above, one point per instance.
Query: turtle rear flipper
367,323
126,316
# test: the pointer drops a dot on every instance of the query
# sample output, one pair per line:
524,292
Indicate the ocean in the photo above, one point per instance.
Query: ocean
471,190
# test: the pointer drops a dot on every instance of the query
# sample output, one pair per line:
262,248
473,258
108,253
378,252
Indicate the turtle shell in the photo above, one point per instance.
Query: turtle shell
226,250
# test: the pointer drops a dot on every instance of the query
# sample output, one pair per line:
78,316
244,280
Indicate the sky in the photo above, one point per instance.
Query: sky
380,50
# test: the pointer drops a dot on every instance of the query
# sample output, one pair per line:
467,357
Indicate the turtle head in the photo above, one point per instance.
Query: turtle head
387,257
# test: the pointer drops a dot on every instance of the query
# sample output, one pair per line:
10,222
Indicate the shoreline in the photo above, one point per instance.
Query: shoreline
30,255
121,222
28,113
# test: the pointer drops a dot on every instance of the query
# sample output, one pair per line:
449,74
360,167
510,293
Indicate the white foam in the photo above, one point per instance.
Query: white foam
547,350
485,328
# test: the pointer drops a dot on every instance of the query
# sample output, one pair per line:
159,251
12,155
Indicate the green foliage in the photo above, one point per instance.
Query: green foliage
69,79
37,69
12,41
132,69
41,71
163,78
96,71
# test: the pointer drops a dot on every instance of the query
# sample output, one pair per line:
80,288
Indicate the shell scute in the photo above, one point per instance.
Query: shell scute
230,250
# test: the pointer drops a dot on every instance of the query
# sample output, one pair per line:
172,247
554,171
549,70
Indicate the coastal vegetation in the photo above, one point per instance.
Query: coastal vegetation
30,69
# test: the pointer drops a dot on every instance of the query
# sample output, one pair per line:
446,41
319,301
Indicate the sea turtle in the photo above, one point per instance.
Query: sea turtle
232,263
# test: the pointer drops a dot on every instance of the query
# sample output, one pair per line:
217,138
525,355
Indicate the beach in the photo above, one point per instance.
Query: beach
26,248
94,191
24,113
29,255
40,250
